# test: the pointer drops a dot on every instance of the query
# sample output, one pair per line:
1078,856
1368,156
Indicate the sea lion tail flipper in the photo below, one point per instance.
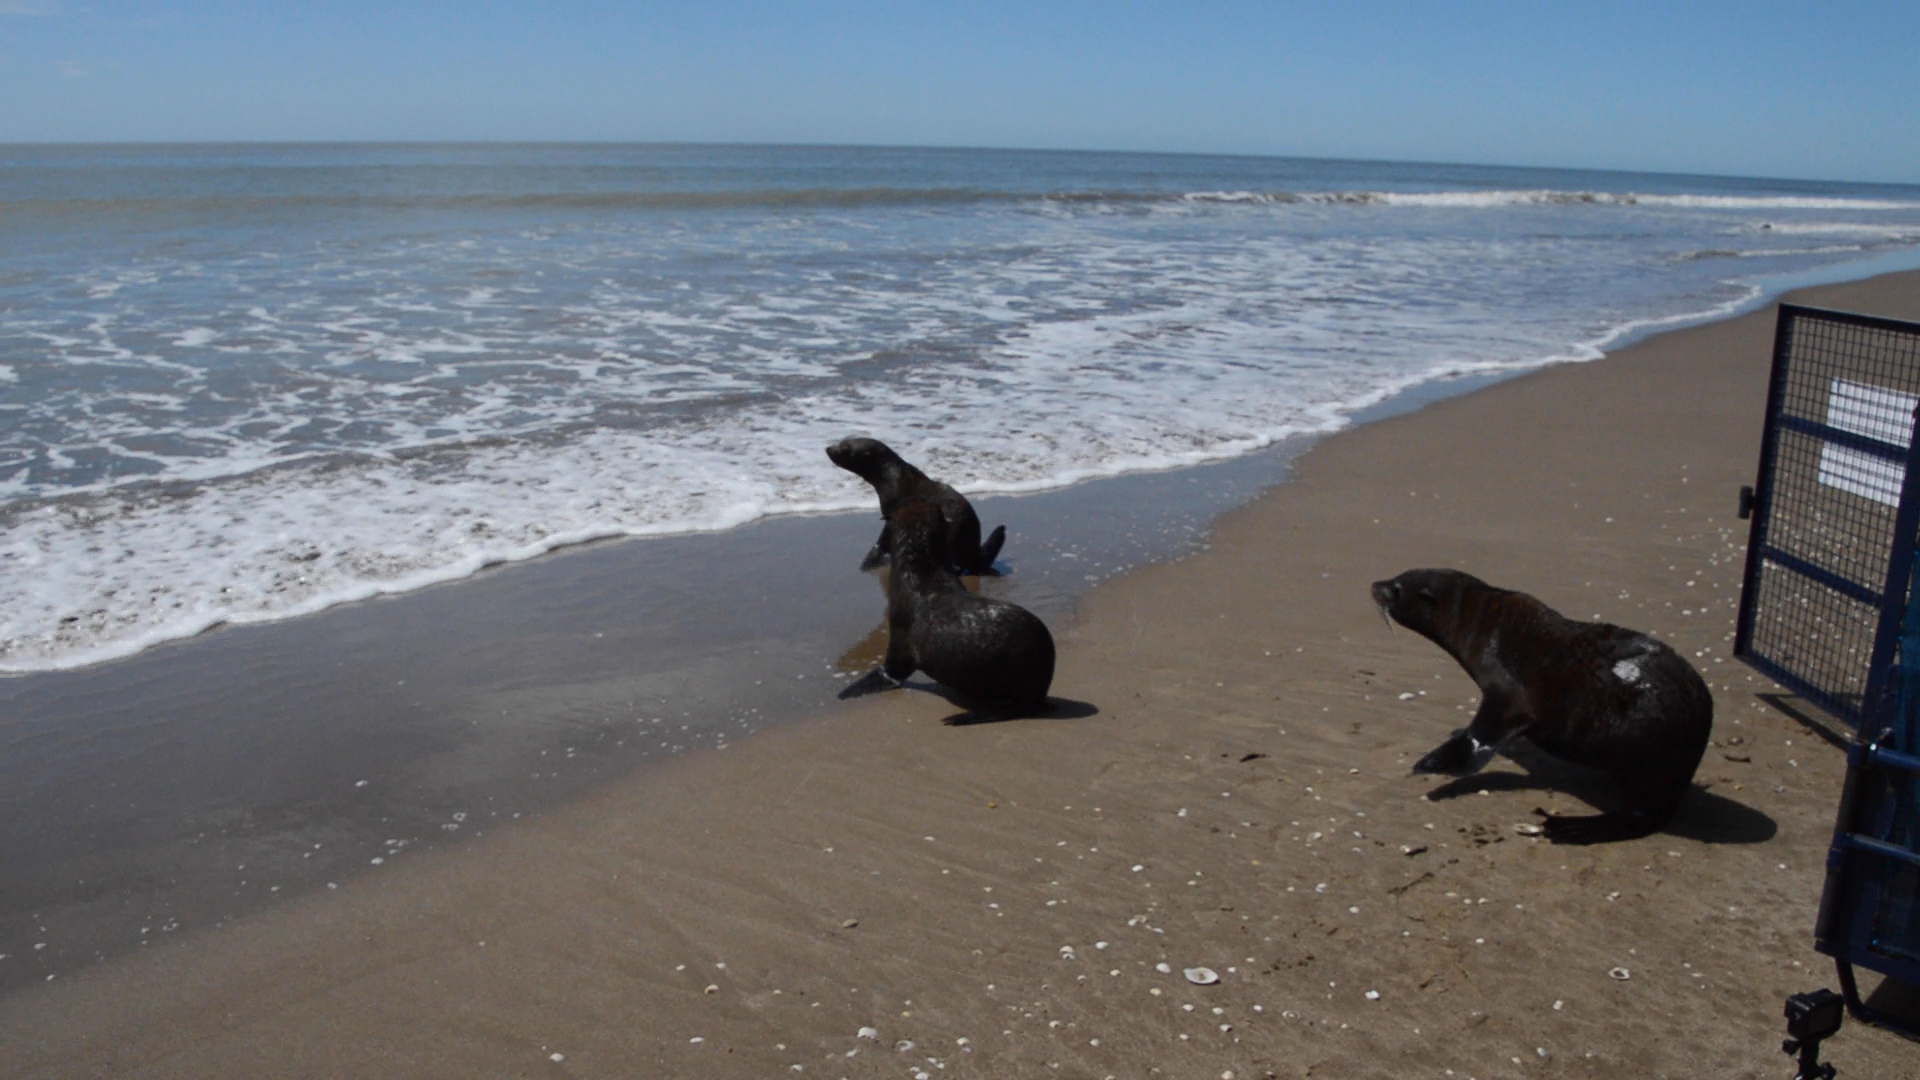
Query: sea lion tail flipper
990,550
872,682
1598,828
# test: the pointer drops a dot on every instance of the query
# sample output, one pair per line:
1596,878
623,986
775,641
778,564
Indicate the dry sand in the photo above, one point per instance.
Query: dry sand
998,900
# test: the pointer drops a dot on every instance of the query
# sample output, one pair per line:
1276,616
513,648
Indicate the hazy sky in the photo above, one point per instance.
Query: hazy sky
1775,89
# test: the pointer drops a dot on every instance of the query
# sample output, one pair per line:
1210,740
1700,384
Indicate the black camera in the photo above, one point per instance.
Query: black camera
1812,1017
1815,1016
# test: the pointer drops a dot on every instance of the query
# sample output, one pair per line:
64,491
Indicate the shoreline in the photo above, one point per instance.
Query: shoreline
1200,704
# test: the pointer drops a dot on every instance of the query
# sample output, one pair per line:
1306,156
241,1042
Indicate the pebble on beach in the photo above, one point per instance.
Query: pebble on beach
1202,976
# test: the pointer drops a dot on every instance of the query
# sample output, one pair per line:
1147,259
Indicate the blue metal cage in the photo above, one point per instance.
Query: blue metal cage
1830,608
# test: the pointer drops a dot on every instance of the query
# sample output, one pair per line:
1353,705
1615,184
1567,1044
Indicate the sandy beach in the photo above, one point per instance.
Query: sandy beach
872,892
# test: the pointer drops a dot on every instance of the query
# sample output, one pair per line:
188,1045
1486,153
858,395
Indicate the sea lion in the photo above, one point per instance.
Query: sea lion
987,650
896,482
1590,693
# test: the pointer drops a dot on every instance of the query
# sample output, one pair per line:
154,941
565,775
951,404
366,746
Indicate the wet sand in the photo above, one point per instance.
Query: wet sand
1000,895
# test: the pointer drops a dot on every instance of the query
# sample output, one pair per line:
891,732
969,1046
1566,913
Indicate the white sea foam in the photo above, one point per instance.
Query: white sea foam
94,578
1908,231
1771,253
1595,348
1240,197
1554,197
1774,202
1480,199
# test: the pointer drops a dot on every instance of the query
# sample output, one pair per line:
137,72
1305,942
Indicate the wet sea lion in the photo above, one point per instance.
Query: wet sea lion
1590,693
987,650
897,482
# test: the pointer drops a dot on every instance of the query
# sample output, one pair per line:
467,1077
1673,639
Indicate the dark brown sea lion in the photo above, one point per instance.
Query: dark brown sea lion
897,482
987,650
1590,693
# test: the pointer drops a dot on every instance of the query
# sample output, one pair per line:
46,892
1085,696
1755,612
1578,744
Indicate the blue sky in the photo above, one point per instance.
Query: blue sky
1797,90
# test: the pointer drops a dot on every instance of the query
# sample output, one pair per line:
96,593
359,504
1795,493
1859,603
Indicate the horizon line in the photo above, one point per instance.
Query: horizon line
6,144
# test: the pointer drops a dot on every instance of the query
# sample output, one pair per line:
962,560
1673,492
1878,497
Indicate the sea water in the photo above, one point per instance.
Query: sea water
239,383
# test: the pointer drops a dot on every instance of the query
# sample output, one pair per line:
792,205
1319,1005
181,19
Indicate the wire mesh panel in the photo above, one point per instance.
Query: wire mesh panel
1831,607
1827,516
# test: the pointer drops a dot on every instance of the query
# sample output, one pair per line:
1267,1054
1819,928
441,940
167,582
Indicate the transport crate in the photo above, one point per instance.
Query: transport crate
1830,608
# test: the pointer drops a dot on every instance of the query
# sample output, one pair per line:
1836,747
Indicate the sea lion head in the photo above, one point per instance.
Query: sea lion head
864,457
1424,601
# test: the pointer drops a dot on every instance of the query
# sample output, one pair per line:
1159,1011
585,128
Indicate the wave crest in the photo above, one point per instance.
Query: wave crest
851,198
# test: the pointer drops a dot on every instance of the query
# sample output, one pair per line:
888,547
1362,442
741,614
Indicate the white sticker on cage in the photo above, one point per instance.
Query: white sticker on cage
1878,414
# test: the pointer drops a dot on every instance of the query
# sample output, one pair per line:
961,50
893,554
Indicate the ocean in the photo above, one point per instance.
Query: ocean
241,383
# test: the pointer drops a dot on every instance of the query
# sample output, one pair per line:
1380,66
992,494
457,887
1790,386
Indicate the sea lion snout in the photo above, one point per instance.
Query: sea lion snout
1409,598
866,458
844,452
1384,595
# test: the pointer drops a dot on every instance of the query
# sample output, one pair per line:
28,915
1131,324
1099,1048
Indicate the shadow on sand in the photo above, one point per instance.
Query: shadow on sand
974,711
1896,1004
1058,708
1705,816
1789,705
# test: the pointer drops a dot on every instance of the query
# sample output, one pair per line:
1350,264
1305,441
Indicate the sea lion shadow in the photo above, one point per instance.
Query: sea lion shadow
1715,819
1705,816
990,712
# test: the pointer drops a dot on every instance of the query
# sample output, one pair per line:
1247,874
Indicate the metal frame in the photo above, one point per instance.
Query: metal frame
1874,859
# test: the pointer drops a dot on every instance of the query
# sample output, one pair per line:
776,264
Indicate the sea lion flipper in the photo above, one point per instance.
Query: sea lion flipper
900,660
1471,747
877,555
991,549
871,683
1462,755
